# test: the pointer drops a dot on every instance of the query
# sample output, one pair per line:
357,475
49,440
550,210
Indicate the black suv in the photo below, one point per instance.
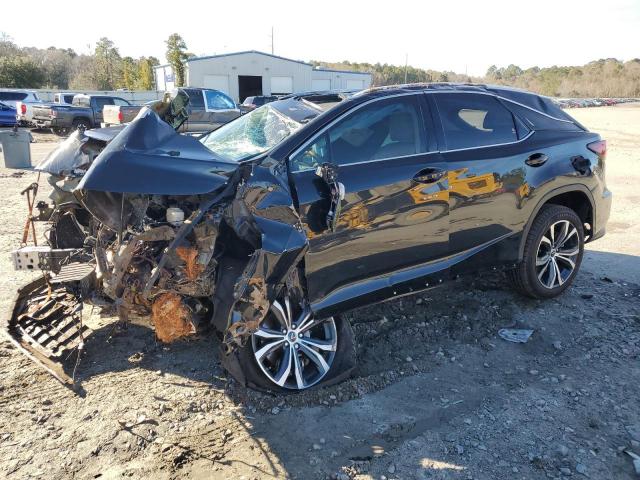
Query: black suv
313,205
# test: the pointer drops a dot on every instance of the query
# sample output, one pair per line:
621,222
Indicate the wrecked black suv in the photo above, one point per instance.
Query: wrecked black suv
271,226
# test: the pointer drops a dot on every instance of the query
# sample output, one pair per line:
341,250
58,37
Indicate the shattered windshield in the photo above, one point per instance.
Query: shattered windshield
252,134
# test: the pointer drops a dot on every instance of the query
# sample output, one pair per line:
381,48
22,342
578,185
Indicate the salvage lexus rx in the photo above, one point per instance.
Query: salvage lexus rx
273,225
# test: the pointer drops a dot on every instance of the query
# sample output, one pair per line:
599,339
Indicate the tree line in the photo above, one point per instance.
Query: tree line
106,69
601,78
63,68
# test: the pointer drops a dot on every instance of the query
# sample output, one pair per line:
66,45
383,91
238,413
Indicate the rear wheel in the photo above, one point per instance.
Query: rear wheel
81,124
552,254
61,132
293,351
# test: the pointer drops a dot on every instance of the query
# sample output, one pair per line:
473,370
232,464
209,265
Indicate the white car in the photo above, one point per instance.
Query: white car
11,97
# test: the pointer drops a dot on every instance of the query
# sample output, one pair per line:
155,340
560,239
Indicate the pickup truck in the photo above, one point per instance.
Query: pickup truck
24,108
84,112
207,109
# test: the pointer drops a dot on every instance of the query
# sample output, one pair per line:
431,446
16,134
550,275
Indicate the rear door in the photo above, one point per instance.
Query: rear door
485,149
394,215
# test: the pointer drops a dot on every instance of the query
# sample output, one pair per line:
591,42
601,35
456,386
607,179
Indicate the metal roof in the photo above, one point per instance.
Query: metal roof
320,69
193,59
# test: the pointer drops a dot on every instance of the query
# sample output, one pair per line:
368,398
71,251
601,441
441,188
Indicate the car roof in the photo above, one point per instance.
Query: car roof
528,99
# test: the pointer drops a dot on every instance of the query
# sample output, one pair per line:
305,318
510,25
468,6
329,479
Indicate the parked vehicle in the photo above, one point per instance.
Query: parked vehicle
24,109
7,115
84,112
251,103
273,225
207,110
11,96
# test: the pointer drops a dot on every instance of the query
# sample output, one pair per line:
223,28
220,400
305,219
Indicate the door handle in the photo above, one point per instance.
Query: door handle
536,159
429,175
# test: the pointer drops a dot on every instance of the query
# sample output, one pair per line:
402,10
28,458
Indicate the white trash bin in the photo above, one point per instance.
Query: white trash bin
16,148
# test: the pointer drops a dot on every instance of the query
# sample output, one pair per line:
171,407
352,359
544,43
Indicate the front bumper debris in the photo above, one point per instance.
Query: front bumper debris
46,320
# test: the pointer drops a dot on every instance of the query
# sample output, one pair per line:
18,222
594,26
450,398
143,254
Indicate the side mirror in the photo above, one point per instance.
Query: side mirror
329,173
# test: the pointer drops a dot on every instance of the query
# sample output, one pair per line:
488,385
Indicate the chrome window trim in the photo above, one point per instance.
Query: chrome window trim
506,100
421,92
531,132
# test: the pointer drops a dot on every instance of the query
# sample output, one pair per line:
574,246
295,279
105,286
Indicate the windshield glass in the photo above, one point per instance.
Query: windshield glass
252,134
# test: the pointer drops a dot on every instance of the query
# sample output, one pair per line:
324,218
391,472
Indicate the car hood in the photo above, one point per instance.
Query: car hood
149,157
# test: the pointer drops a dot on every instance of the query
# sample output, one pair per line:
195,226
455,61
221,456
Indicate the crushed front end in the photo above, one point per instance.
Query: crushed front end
175,235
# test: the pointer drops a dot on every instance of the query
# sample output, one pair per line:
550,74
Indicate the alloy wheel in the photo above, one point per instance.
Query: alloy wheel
292,349
557,254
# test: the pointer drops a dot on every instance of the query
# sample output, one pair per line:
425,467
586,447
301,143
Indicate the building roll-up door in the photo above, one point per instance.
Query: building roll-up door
320,84
217,82
355,84
281,85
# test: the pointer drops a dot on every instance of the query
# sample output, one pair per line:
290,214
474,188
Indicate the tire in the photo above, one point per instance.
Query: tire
80,123
60,132
552,255
262,375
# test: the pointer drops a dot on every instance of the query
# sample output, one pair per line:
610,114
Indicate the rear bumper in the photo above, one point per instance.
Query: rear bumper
45,123
602,213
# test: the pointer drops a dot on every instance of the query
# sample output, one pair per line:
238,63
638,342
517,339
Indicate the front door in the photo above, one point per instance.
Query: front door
394,216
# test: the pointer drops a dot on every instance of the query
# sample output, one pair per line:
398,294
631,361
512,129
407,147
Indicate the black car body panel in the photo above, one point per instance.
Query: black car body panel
371,196
149,157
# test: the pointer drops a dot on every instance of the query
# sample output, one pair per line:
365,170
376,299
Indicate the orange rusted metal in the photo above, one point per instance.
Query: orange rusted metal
171,318
188,255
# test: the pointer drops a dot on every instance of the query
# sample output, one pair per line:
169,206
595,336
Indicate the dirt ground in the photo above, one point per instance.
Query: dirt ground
437,394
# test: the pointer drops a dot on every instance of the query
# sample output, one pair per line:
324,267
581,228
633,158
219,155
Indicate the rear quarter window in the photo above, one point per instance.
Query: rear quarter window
12,96
538,121
471,120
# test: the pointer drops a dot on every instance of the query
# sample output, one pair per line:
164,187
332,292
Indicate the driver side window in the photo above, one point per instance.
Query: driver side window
384,129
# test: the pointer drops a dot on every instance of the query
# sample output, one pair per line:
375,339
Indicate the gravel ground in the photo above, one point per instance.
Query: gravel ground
437,394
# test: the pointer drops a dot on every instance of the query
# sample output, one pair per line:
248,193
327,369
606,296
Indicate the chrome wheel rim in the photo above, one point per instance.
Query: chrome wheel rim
294,350
557,254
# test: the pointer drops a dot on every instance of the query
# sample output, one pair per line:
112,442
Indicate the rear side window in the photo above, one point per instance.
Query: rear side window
13,96
68,98
470,120
102,101
120,101
196,99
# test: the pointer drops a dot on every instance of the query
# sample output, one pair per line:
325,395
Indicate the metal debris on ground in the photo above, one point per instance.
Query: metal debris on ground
636,460
46,325
515,335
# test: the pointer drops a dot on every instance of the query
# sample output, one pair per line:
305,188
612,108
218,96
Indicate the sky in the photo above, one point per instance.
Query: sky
454,35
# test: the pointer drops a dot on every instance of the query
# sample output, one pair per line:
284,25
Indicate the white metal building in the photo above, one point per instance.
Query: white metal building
249,73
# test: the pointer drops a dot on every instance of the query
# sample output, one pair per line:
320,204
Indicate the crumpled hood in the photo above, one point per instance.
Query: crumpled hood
149,157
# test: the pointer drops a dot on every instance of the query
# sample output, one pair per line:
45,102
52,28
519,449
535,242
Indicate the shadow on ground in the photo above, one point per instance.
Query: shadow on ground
426,363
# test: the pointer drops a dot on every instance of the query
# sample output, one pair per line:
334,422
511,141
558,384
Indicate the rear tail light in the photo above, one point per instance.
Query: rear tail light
599,148
23,109
120,117
54,114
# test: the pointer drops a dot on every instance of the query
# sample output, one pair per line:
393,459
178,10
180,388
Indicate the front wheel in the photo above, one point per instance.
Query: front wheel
552,253
293,351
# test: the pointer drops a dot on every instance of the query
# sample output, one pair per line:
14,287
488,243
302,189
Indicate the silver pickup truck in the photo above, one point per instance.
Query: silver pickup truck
24,109
208,109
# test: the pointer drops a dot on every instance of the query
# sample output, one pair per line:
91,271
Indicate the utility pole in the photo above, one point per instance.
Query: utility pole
406,63
272,40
